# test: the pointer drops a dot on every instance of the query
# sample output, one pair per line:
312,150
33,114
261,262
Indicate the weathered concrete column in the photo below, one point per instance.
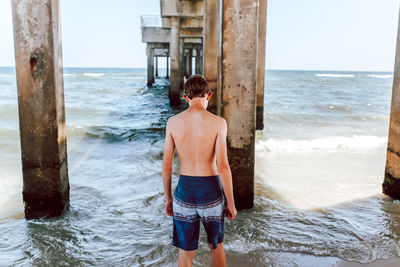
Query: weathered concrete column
210,49
186,60
174,92
150,65
239,48
198,68
262,21
167,66
182,58
156,66
190,61
391,183
39,69
201,59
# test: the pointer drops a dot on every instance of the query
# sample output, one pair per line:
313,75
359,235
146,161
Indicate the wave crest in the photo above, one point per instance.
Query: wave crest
323,143
93,74
334,75
381,76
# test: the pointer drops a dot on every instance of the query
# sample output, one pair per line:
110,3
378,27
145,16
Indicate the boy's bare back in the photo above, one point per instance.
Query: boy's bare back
200,140
195,134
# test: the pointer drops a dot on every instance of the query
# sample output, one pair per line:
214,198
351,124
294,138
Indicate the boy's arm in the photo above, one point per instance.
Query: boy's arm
224,170
169,147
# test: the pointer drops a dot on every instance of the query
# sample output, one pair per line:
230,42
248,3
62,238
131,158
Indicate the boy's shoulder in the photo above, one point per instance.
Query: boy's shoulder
174,118
217,120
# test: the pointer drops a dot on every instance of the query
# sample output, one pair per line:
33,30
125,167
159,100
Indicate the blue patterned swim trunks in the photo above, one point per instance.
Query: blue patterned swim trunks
198,198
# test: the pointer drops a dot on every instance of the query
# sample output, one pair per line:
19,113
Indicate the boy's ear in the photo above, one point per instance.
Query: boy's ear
186,98
208,95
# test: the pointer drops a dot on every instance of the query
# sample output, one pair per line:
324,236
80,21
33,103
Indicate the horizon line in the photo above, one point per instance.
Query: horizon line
65,67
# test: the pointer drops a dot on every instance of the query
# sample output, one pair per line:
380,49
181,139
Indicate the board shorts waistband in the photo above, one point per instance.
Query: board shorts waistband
198,189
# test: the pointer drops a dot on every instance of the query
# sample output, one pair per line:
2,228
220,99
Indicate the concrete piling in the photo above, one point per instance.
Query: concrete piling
196,64
190,61
210,49
156,66
198,69
175,79
391,183
238,86
167,66
39,69
261,32
186,60
150,65
183,62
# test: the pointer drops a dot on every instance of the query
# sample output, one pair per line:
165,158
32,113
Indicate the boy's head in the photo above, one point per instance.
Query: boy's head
196,86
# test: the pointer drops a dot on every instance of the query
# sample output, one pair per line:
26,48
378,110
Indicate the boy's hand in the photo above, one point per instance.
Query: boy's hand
168,207
230,212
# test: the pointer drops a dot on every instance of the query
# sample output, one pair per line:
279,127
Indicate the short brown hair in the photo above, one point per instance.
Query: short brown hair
196,86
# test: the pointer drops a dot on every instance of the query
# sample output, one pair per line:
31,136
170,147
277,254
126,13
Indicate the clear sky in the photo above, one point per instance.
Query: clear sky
301,34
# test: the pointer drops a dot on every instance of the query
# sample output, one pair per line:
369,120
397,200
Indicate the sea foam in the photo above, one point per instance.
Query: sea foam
381,76
330,143
334,75
93,74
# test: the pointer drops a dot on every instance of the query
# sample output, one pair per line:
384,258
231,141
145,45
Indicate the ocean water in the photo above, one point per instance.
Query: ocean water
319,168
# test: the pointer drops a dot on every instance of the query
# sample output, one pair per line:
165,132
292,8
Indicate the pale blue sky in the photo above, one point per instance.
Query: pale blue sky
301,34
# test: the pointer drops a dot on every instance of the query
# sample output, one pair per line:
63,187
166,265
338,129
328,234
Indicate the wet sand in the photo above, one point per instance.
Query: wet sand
302,260
391,262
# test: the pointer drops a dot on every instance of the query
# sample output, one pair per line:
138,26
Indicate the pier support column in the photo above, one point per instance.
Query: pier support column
156,66
150,65
175,80
167,66
198,68
210,51
183,62
39,70
238,83
190,61
262,21
186,60
391,183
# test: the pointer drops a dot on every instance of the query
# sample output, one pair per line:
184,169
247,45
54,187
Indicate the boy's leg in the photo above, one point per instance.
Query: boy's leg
218,255
186,227
186,258
212,216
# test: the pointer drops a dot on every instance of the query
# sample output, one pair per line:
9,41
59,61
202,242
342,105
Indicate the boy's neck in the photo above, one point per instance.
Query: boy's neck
198,103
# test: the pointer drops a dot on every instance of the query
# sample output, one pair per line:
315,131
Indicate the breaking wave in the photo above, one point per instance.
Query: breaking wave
323,143
333,75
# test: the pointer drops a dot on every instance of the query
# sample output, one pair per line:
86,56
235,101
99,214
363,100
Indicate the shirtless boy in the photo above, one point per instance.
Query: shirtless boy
204,191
